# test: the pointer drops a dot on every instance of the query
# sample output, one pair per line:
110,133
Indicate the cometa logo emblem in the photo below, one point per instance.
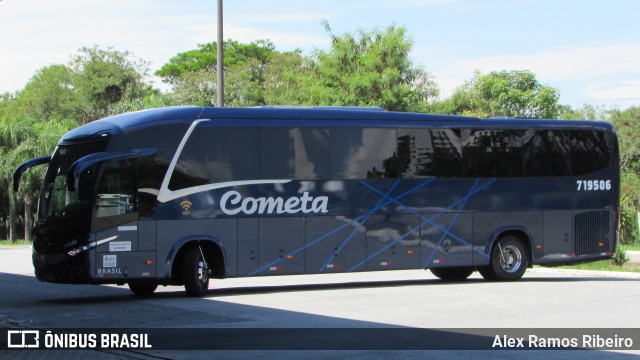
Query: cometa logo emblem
233,203
186,207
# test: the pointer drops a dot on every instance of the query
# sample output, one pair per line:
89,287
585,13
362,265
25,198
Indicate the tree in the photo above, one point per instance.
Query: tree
85,89
22,138
101,78
290,79
154,99
627,123
204,58
244,84
506,93
585,112
372,68
50,94
195,88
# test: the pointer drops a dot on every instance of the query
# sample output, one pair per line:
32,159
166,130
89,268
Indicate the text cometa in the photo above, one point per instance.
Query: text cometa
232,203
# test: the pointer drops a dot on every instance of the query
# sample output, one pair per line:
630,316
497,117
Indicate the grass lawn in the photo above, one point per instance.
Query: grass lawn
17,243
605,265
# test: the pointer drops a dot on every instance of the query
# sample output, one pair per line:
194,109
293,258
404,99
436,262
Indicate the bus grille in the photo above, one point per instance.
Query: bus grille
591,229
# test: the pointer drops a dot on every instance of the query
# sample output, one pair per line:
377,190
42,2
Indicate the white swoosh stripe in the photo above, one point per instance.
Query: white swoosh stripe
168,195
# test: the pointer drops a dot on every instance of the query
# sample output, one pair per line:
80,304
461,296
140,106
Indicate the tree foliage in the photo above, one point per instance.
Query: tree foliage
505,93
369,68
22,139
85,88
373,68
104,77
50,94
290,79
57,98
204,58
585,112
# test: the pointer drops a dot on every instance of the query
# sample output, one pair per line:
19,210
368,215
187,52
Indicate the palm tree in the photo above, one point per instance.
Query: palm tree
24,139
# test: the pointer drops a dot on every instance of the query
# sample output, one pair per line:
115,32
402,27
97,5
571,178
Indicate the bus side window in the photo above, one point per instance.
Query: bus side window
427,153
217,154
507,153
589,152
116,195
358,153
477,153
546,153
294,153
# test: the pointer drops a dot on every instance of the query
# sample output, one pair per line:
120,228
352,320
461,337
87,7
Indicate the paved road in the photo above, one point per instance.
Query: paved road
415,299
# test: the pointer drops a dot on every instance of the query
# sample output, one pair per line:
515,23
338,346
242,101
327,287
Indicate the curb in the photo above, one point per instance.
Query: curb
588,273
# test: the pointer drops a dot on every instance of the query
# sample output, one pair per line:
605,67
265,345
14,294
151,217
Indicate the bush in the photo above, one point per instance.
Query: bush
628,220
620,257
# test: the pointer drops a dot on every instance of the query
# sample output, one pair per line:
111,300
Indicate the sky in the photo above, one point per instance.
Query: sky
588,50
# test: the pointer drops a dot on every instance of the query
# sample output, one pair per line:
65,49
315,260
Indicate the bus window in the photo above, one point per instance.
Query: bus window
507,152
492,153
294,153
116,198
447,151
589,152
546,153
217,154
427,153
477,153
364,153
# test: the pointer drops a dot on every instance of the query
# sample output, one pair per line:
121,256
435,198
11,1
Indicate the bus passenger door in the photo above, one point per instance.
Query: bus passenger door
120,254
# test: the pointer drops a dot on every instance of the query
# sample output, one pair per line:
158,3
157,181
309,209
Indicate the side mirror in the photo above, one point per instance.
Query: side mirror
17,175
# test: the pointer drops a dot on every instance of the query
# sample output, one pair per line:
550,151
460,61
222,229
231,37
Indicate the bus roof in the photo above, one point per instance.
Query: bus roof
275,116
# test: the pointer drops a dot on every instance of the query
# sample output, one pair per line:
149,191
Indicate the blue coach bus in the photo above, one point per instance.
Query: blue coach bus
176,196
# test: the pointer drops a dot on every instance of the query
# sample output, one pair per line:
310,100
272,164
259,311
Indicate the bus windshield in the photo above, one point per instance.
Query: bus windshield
67,212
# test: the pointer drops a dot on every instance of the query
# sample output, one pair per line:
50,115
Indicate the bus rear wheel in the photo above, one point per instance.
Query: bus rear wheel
509,260
452,273
195,272
143,289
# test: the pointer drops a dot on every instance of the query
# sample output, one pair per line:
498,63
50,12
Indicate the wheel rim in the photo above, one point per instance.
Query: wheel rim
203,272
510,258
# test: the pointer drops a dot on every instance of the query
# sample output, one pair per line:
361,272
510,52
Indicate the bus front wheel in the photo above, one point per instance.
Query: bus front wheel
509,260
195,272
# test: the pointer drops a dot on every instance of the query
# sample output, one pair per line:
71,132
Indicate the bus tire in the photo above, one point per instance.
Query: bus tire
143,289
452,273
487,273
509,260
195,272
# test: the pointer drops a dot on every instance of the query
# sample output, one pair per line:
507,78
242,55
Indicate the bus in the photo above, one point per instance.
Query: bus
179,195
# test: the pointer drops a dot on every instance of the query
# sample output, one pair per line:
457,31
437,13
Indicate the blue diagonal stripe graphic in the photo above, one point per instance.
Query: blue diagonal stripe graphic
354,222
